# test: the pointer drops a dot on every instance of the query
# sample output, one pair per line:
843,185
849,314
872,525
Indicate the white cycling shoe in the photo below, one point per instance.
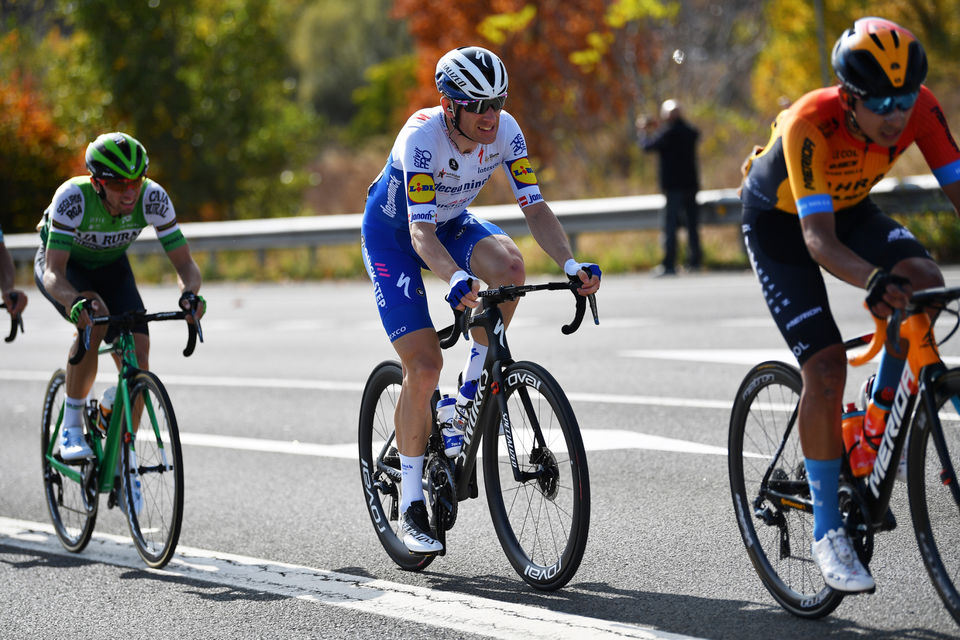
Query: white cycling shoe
73,446
839,564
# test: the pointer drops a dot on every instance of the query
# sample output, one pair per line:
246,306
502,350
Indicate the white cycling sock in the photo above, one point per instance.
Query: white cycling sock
72,412
475,360
411,480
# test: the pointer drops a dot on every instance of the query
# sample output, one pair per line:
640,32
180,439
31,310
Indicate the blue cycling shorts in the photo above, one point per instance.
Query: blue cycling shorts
395,268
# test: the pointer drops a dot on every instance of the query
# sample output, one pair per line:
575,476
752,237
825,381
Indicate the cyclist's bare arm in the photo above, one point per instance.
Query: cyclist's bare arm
952,191
549,234
188,273
7,271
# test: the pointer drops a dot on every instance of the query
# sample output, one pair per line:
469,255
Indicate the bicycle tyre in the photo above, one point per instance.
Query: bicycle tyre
542,523
72,521
780,548
381,493
155,527
933,507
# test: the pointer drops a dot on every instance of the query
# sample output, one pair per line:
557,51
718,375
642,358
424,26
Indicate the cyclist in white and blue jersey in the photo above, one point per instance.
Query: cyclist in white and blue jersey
15,299
416,217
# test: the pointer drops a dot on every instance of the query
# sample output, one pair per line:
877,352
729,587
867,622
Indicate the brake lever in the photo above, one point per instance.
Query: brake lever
16,319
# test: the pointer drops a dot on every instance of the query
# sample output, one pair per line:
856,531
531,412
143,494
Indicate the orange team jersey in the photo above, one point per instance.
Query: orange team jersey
812,164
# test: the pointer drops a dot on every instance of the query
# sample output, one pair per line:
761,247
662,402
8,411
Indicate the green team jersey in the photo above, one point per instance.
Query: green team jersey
78,222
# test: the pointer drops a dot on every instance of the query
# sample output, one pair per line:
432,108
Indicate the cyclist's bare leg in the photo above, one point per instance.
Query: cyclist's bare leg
824,376
422,360
497,261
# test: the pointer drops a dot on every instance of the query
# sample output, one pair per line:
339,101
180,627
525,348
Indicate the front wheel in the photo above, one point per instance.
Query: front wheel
541,517
152,471
73,514
768,481
380,463
932,469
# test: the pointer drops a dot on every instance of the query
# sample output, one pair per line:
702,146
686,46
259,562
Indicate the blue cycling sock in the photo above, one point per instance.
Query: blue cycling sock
824,478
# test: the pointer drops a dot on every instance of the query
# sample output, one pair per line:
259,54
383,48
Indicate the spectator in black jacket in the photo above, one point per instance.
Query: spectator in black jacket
675,140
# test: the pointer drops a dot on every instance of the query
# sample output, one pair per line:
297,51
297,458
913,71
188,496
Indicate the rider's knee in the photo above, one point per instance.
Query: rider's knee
826,371
923,273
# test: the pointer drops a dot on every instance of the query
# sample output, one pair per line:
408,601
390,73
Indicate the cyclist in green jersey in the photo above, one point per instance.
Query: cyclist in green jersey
15,299
82,266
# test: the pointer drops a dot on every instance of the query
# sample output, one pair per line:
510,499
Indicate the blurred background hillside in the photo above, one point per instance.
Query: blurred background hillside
266,108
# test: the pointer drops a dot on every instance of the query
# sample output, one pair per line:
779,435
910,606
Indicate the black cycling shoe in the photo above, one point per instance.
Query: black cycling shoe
415,530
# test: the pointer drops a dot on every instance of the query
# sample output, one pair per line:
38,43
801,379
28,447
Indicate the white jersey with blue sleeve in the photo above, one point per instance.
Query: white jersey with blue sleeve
428,179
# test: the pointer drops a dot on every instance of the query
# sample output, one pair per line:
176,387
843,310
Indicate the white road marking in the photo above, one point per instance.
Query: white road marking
593,440
456,611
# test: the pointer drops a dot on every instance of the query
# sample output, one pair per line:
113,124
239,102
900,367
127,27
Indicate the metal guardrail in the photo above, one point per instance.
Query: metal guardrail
718,207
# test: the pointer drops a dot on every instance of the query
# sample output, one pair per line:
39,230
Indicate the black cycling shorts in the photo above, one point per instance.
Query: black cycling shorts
792,281
114,282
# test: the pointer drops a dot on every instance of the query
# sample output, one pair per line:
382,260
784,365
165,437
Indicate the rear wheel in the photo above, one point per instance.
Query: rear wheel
934,495
73,514
543,517
380,463
767,477
152,465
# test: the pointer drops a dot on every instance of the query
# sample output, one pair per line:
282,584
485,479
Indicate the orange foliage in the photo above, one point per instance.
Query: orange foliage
35,156
550,94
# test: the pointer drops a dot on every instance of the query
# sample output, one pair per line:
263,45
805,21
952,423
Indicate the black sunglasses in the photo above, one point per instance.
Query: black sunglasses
481,106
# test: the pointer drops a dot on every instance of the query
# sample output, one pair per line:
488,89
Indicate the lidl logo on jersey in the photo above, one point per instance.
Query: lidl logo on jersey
421,188
522,172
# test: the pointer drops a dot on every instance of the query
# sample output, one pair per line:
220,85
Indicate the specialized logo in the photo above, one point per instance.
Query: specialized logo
403,282
522,171
421,188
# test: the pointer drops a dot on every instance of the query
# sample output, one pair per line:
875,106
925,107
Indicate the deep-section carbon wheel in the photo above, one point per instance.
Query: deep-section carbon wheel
542,518
934,491
380,463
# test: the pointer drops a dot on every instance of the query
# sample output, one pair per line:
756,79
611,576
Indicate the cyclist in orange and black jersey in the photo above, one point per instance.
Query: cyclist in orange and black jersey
806,205
812,156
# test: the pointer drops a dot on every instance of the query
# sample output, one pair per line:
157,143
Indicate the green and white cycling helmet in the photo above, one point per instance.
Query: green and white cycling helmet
116,155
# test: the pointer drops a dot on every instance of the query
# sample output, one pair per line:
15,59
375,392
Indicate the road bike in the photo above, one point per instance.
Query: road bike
771,496
534,464
16,320
139,453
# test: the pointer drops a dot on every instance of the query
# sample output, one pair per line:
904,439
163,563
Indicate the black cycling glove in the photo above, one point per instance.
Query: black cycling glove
877,285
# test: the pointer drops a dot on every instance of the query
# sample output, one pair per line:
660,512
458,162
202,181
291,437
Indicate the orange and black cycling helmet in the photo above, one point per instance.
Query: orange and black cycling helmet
879,58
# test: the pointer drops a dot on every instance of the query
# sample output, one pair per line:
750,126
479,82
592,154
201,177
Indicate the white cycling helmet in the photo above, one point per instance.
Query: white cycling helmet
466,74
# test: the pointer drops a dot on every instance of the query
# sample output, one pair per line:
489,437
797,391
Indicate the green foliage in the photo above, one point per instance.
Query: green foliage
938,231
334,47
205,85
381,103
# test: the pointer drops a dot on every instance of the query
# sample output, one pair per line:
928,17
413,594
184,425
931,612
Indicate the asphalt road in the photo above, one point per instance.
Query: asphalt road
276,541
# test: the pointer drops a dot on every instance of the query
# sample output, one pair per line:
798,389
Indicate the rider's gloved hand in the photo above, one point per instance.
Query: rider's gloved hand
196,305
573,268
80,304
877,293
463,290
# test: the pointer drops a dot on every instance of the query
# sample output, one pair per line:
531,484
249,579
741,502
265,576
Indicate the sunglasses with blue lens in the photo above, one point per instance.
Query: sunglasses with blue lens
481,106
883,106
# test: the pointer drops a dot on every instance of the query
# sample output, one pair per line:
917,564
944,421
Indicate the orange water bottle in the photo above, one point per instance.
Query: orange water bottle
861,457
877,410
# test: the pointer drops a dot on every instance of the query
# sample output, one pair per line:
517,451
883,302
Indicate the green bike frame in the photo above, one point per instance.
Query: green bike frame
106,452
